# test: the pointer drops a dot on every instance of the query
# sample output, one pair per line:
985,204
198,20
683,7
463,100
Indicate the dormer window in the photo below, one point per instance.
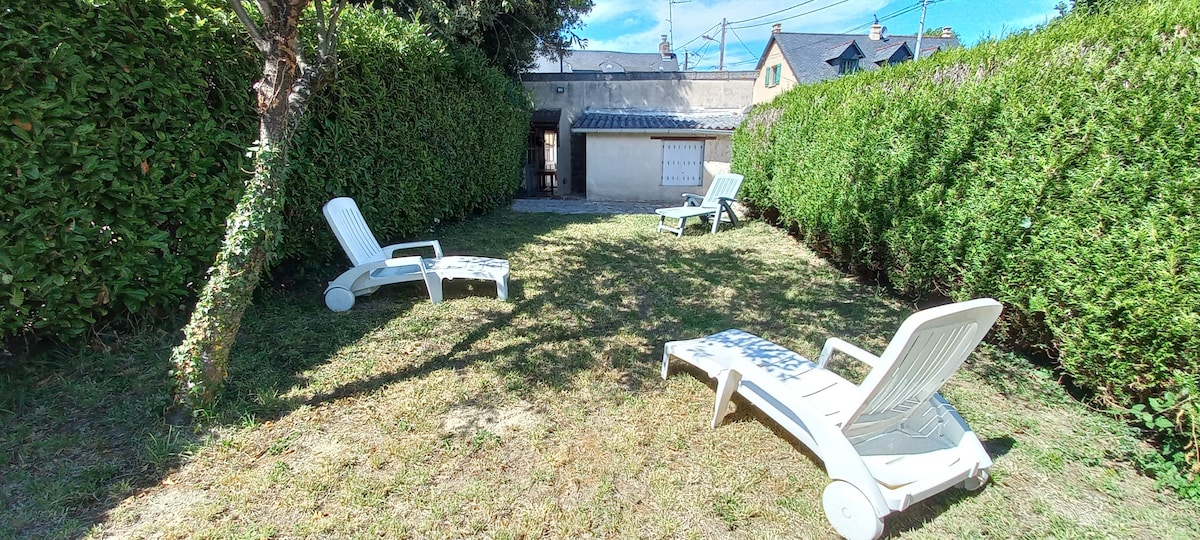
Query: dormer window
844,57
893,54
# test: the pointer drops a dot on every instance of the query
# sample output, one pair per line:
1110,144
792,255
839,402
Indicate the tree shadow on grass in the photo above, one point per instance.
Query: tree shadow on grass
587,292
612,301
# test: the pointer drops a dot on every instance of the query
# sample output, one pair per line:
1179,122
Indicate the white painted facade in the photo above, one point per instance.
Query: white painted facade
769,84
628,166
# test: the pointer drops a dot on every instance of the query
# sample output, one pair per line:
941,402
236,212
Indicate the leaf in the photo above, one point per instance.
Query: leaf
27,126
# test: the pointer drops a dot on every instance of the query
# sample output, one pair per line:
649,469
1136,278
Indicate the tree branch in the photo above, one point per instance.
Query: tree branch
313,76
251,28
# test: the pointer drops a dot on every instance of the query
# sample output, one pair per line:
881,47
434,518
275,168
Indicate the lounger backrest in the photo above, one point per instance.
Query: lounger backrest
926,351
724,185
352,232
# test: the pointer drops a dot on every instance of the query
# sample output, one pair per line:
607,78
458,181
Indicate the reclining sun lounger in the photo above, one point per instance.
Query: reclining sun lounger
713,206
375,266
886,443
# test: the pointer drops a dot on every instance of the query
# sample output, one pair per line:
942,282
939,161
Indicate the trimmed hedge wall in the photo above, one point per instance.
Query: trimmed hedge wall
417,131
126,127
1055,171
120,158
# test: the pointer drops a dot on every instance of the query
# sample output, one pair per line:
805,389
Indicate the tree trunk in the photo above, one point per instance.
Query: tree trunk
252,230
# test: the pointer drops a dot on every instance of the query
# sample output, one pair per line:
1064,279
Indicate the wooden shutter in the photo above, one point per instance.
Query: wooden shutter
683,163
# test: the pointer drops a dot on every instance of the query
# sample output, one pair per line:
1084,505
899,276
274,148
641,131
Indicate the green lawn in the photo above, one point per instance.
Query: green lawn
543,416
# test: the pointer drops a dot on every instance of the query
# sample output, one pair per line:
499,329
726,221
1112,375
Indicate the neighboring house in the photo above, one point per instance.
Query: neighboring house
799,58
634,136
584,61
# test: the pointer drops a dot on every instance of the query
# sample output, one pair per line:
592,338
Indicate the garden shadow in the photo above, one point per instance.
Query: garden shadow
587,291
611,301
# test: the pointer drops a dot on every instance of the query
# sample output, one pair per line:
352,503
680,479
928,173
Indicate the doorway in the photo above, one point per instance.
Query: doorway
542,155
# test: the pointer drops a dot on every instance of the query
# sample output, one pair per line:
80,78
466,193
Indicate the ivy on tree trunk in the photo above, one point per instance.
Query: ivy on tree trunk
252,232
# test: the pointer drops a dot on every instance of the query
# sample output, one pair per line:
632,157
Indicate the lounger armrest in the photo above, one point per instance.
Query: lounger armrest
691,199
853,351
437,247
727,199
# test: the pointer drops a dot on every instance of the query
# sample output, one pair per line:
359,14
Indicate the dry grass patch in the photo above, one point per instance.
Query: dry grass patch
545,416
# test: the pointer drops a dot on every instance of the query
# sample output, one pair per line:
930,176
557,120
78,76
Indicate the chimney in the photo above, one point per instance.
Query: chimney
664,48
776,28
876,32
947,32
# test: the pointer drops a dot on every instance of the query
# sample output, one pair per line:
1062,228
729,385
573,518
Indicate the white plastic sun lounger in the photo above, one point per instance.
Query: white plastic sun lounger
886,443
375,266
713,206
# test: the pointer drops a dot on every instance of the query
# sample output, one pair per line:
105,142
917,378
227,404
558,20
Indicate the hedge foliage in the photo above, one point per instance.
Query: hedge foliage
120,158
1054,170
417,131
126,123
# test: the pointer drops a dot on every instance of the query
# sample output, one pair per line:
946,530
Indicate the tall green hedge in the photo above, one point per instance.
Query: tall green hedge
1055,170
416,130
126,123
119,158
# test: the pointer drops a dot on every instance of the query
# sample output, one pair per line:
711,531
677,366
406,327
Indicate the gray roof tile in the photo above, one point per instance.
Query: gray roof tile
708,121
809,55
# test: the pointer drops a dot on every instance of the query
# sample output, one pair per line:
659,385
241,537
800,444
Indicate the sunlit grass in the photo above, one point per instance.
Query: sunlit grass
542,416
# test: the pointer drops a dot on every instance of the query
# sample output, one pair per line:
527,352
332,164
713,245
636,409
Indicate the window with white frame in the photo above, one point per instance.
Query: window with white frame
847,66
771,77
682,162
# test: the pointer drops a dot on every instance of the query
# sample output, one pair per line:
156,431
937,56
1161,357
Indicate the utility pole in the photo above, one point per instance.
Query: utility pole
721,64
921,30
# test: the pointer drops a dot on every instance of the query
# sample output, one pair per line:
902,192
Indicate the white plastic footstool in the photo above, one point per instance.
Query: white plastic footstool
466,267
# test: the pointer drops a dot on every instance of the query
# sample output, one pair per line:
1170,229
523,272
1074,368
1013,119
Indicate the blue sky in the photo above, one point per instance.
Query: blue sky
637,26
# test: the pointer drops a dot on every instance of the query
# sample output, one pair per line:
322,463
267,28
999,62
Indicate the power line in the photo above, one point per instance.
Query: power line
889,16
773,12
739,38
702,34
810,12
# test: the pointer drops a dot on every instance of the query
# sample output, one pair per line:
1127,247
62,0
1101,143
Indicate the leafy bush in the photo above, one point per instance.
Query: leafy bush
416,130
123,154
1053,170
120,160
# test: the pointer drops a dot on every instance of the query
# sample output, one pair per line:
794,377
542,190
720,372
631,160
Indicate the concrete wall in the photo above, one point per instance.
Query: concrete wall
787,78
628,167
674,92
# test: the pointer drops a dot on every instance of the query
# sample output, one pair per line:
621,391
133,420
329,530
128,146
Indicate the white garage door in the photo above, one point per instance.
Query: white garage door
683,163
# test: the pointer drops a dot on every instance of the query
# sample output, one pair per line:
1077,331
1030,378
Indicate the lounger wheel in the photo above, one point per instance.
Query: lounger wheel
339,299
850,512
975,482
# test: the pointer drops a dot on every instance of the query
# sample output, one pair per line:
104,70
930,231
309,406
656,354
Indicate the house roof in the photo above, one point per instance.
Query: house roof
898,50
847,49
605,62
809,55
631,120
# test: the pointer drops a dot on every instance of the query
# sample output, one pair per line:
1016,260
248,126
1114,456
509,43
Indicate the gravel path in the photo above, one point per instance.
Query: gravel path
581,206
